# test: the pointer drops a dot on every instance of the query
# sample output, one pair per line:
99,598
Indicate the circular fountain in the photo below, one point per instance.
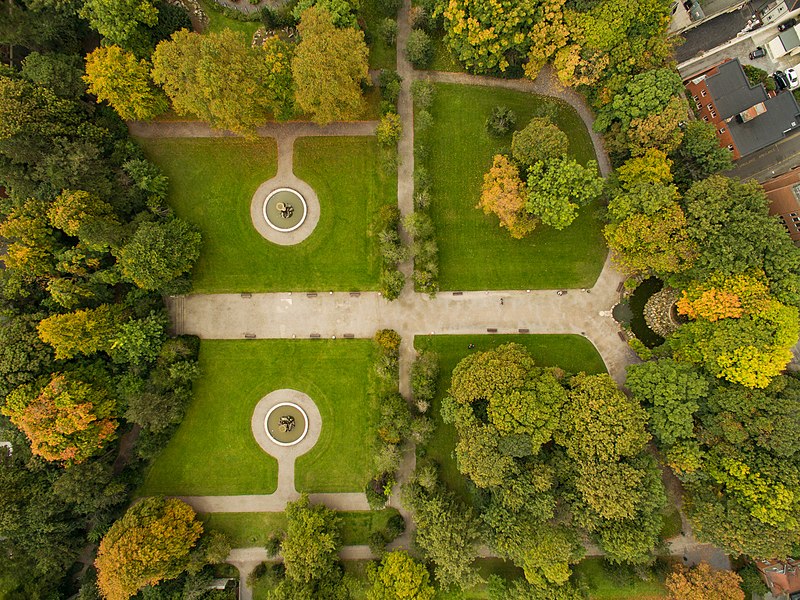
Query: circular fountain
285,209
286,424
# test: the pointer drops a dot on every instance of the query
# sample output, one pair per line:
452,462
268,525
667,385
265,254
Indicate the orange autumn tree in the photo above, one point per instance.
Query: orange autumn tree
505,195
725,297
704,583
150,543
67,421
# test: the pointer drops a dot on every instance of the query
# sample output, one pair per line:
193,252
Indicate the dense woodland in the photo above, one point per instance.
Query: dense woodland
93,385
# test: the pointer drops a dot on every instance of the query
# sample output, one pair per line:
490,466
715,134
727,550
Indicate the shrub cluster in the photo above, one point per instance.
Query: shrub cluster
395,527
502,121
392,252
389,128
419,225
424,377
397,423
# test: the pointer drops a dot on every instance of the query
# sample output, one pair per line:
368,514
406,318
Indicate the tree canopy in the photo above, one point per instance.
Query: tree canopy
67,420
329,66
119,78
151,542
219,78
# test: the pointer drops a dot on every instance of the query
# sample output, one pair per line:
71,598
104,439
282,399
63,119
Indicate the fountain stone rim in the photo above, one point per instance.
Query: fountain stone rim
273,225
266,424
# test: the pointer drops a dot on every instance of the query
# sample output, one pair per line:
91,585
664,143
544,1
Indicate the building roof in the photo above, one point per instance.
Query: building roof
781,577
789,38
731,90
733,95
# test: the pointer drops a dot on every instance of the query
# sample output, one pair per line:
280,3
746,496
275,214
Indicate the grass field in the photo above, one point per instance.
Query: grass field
594,577
381,55
604,582
213,451
572,353
474,253
212,182
217,21
247,530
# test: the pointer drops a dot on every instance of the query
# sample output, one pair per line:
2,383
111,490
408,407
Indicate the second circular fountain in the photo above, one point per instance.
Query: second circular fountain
285,209
286,424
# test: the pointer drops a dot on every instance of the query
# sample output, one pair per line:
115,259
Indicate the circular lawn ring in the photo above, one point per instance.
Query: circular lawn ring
276,213
273,427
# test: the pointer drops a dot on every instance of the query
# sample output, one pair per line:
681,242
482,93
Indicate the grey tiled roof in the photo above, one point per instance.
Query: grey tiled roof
732,94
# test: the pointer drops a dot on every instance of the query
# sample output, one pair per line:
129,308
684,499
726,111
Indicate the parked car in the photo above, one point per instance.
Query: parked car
787,24
759,52
781,82
791,77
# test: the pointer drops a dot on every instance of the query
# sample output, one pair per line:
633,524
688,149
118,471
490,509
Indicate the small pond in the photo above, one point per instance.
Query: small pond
636,303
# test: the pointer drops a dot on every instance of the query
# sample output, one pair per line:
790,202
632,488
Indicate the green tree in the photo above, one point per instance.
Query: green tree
158,253
329,66
220,79
730,223
647,112
488,37
557,189
310,548
122,22
599,422
139,340
645,94
90,487
447,533
540,141
700,154
23,355
658,242
151,542
504,194
60,72
27,109
481,375
672,393
400,577
389,129
419,49
119,78
750,350
84,331
83,215
343,12
67,421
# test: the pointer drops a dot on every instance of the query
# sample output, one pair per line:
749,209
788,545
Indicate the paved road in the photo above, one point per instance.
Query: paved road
712,33
329,315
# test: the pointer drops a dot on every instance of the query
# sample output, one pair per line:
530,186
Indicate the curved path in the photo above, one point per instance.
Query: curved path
545,84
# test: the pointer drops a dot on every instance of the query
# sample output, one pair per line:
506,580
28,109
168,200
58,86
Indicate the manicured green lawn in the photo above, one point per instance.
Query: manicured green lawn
213,452
474,253
254,529
443,58
217,21
605,582
381,55
572,353
212,182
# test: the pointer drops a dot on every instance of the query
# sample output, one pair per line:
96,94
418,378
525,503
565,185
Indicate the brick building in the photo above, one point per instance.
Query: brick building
783,192
747,118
